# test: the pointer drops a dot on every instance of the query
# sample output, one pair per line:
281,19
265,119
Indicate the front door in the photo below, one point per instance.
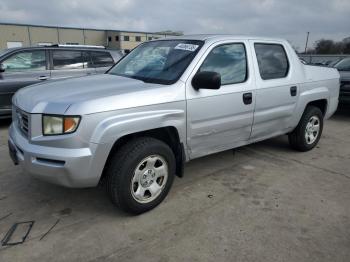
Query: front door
221,119
21,69
101,61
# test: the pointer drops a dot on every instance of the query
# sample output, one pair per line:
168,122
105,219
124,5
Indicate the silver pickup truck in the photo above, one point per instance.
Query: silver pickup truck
165,103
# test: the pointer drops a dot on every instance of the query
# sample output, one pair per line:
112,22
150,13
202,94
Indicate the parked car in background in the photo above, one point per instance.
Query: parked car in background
303,60
167,102
20,67
321,63
343,67
334,62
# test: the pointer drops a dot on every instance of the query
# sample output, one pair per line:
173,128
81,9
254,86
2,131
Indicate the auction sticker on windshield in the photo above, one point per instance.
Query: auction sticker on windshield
186,47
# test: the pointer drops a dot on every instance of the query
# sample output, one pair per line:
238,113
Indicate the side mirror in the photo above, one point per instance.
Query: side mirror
2,68
206,80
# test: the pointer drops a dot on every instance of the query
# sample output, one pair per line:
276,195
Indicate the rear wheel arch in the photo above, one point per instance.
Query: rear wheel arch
298,138
322,104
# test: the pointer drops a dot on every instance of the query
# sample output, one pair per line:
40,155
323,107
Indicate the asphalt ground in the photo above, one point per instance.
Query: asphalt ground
263,202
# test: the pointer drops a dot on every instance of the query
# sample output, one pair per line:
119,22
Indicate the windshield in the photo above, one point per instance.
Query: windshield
161,62
343,65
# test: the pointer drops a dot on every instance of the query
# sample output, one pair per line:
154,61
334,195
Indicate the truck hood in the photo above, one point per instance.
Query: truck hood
93,94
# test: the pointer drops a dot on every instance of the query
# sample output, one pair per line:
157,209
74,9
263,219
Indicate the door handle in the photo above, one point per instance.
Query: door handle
247,98
293,90
42,78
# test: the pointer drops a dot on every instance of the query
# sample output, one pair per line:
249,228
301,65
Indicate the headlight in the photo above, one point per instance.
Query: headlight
59,125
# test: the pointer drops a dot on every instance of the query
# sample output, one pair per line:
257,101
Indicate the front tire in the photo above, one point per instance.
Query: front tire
140,175
308,132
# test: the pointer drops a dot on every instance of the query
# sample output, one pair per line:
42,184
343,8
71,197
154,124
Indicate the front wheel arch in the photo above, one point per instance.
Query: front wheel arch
131,166
168,135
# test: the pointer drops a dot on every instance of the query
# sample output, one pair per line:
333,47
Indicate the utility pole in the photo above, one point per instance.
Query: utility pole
58,36
307,40
29,36
84,36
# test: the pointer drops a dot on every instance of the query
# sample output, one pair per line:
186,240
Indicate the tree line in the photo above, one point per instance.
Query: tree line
326,46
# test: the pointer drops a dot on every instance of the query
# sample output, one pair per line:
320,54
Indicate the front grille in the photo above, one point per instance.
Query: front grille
22,119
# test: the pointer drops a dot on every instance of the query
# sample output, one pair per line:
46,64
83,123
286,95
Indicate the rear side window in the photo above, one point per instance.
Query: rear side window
101,59
65,59
229,60
26,61
272,61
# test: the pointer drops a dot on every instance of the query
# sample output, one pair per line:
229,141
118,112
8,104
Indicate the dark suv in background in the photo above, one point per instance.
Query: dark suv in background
343,67
20,67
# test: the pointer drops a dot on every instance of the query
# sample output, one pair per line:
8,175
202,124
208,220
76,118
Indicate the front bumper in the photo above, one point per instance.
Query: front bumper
62,166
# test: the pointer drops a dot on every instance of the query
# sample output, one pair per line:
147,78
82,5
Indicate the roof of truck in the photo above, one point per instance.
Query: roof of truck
205,37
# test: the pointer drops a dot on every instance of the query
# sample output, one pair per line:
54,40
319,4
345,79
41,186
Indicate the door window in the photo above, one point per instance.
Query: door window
272,61
66,59
343,65
26,61
102,59
230,61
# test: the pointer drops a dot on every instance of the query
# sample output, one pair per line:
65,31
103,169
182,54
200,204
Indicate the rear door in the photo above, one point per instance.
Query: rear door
221,119
102,61
69,63
22,68
277,91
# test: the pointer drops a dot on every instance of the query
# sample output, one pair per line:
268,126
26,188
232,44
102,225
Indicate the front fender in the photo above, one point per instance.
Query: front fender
113,125
124,123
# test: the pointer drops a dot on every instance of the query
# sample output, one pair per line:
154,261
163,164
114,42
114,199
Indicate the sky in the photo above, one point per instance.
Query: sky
289,19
